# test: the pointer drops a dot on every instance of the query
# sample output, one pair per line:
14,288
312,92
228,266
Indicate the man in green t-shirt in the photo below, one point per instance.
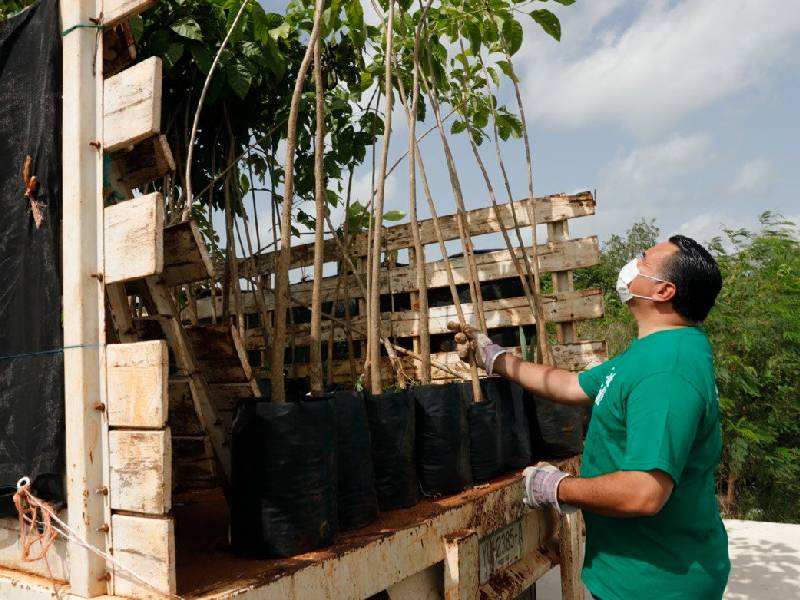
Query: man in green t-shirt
653,528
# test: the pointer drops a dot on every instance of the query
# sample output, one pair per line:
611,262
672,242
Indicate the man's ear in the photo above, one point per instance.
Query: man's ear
665,291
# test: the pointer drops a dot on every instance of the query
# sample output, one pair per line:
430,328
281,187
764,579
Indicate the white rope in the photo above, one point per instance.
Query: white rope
69,534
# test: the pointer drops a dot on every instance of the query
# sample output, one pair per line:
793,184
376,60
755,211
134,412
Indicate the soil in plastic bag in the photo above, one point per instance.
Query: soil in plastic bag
515,431
442,440
358,503
391,423
556,430
485,435
284,483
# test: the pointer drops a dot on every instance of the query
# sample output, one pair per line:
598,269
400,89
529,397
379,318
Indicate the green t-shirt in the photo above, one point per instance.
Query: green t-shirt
656,407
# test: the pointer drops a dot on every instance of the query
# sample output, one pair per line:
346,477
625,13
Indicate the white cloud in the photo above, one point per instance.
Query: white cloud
672,59
756,177
658,162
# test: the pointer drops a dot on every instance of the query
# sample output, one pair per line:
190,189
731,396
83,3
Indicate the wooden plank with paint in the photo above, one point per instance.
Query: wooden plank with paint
498,264
145,546
506,312
134,242
141,471
481,221
116,11
186,258
163,305
137,377
147,161
574,357
132,105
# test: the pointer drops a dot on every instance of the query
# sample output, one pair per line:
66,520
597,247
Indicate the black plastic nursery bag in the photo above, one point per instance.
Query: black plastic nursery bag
515,431
284,484
556,429
485,435
442,440
391,422
358,503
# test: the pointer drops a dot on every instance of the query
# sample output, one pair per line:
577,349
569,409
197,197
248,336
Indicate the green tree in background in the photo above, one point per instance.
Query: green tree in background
755,333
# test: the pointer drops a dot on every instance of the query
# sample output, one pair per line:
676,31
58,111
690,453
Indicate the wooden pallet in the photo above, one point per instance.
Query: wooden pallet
558,256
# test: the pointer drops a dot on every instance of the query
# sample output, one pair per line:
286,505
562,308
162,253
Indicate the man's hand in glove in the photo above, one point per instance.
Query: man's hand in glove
541,487
470,342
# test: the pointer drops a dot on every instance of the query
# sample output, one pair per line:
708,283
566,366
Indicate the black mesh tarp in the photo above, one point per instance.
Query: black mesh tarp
31,387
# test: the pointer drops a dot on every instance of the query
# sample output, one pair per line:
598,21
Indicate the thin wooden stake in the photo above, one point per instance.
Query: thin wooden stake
376,380
282,271
315,361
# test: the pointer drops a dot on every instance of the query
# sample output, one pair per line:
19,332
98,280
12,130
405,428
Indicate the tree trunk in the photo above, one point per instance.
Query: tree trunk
315,361
282,270
373,333
424,348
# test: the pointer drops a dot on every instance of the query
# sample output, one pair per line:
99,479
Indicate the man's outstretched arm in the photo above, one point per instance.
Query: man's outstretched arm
558,385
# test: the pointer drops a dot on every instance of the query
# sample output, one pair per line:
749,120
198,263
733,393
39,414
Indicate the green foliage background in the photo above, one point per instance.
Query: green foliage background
755,333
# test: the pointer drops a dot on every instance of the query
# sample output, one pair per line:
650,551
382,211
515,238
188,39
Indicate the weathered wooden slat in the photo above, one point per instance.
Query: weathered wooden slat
147,161
164,306
137,384
145,546
116,11
141,471
482,220
132,105
507,312
562,280
186,258
134,242
553,256
575,357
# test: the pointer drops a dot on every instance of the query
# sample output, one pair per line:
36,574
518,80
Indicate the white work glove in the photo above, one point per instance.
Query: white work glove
473,343
541,483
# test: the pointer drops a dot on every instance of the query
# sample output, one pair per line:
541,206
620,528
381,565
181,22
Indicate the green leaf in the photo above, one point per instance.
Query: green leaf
457,127
355,21
473,30
505,67
173,54
137,27
244,183
239,78
548,21
280,32
512,33
332,198
394,215
202,57
188,28
566,2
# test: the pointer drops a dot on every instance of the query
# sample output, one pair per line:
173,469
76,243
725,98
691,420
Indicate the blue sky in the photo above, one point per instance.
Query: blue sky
682,111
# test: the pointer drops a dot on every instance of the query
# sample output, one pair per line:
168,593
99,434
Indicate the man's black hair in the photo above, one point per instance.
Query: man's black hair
696,276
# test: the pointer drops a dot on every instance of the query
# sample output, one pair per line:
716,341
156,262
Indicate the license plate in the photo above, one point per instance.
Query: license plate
500,549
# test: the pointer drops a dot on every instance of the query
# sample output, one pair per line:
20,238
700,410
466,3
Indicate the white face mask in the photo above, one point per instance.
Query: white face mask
626,275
